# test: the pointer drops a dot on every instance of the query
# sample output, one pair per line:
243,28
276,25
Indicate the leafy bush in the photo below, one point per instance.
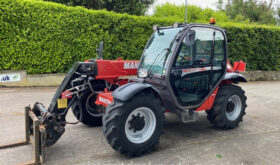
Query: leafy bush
135,7
45,37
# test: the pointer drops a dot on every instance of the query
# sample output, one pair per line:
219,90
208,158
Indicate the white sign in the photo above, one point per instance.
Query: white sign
9,77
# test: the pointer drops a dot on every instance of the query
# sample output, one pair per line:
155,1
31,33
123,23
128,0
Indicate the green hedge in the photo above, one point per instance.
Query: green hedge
259,46
44,37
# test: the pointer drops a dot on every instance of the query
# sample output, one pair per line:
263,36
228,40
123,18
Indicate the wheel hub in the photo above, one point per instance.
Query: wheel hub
140,125
230,106
91,107
234,107
137,123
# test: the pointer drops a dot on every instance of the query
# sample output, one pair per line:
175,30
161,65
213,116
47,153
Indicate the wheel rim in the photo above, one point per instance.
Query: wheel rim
140,125
234,107
91,107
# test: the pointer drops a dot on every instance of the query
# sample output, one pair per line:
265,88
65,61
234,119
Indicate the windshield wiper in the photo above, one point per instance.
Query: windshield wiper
164,57
156,59
170,45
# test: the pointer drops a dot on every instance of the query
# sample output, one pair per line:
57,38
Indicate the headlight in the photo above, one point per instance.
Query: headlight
142,73
86,68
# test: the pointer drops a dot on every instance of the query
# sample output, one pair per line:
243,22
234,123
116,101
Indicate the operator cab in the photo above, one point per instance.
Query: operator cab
186,62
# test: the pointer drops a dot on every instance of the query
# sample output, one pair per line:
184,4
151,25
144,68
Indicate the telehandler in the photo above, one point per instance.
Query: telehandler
184,69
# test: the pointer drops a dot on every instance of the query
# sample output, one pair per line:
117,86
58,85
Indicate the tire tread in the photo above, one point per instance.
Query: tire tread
216,115
111,125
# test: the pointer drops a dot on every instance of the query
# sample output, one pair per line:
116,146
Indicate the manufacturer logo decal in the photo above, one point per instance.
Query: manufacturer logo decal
130,65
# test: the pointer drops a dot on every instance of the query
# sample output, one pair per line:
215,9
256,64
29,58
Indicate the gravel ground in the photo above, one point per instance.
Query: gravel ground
255,141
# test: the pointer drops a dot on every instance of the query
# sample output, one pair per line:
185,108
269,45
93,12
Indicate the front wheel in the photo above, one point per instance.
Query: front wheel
134,127
229,107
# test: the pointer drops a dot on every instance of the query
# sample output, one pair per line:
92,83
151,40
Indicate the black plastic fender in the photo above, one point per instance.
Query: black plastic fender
127,91
235,77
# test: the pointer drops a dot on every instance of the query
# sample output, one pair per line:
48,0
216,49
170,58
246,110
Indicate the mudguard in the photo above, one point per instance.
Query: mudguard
127,91
235,77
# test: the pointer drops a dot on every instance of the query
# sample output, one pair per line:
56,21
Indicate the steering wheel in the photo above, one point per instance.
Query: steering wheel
184,60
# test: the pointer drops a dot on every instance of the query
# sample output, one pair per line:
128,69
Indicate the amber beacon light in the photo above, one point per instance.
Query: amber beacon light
212,21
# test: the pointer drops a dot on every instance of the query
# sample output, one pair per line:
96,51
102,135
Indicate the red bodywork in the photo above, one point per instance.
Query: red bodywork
104,99
238,67
208,103
118,72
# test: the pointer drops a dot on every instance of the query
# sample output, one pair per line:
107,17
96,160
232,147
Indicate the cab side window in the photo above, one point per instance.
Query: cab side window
219,55
219,49
185,56
200,52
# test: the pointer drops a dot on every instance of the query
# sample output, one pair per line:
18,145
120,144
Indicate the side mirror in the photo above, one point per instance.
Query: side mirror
190,38
100,50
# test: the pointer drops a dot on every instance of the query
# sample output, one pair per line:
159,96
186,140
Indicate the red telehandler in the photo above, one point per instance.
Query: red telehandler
184,69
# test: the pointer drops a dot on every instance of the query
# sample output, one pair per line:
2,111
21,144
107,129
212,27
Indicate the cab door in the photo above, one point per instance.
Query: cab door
196,68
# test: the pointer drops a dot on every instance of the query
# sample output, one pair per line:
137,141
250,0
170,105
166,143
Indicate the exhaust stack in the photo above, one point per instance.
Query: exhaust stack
186,10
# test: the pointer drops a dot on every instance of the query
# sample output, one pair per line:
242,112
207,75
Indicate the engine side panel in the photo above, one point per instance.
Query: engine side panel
111,70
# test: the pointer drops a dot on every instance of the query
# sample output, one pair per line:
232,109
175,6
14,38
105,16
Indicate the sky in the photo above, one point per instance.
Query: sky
202,3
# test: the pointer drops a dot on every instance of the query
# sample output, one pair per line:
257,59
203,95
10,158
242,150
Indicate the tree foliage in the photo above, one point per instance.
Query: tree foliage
195,14
278,15
133,7
241,11
257,11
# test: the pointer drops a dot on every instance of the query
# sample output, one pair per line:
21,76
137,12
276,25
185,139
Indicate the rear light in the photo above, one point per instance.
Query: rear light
239,66
66,95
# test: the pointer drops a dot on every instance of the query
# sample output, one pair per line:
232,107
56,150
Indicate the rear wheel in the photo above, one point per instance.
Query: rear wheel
90,114
229,107
134,127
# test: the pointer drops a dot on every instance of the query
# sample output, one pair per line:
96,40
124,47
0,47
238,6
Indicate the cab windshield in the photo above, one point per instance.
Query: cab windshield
156,50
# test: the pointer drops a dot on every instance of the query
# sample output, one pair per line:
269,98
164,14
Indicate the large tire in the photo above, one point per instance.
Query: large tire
126,129
86,117
229,107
